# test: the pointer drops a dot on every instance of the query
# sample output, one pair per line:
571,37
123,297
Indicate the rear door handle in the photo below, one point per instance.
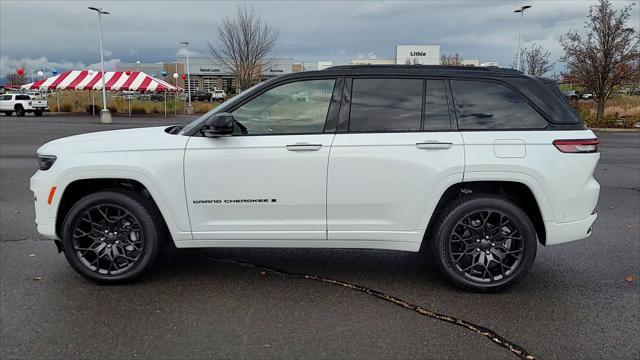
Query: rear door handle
304,147
429,144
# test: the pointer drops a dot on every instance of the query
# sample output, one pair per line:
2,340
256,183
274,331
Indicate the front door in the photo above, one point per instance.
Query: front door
268,180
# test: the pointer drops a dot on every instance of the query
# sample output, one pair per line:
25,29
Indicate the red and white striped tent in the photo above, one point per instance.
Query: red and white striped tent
114,81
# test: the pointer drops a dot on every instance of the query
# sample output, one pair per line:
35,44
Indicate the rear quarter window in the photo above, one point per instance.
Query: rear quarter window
485,105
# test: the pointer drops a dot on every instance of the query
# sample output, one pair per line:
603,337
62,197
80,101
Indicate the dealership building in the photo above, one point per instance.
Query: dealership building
417,55
206,74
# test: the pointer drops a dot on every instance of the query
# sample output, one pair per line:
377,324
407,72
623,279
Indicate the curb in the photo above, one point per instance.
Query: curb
614,130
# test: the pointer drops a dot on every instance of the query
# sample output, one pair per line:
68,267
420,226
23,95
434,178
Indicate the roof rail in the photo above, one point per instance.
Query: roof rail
427,67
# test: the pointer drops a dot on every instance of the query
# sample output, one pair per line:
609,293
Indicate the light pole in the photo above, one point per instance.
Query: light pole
521,11
105,115
189,107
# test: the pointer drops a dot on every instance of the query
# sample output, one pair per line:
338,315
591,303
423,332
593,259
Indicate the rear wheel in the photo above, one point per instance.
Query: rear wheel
484,243
111,236
20,110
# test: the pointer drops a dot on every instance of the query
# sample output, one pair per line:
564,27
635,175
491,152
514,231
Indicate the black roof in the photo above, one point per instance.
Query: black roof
436,70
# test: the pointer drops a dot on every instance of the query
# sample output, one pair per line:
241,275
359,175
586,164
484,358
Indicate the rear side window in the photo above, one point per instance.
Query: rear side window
386,105
482,105
436,108
23,97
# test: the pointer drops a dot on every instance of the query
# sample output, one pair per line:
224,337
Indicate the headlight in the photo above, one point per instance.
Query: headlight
46,161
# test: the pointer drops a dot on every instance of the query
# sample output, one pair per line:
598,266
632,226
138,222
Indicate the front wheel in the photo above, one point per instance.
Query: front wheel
484,243
111,236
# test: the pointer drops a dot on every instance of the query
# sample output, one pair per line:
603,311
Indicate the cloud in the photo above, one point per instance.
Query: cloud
309,30
183,52
10,65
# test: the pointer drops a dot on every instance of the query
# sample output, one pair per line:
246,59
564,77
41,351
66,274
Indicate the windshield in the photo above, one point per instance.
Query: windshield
221,108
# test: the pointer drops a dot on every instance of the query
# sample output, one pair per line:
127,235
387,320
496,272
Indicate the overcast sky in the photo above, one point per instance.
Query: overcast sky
63,34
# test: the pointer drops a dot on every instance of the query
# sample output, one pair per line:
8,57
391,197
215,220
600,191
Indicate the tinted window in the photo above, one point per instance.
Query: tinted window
6,97
436,108
294,108
487,105
385,105
23,97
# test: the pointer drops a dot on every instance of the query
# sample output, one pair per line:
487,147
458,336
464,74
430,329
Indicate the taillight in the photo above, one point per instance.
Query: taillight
577,146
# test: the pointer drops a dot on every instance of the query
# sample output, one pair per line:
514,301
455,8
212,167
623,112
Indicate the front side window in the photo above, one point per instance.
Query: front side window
385,105
294,108
6,97
483,105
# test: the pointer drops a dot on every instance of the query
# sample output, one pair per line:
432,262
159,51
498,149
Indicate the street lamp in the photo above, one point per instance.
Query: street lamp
521,11
105,115
189,107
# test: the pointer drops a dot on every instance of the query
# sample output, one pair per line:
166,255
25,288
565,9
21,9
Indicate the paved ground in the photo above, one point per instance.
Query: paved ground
575,303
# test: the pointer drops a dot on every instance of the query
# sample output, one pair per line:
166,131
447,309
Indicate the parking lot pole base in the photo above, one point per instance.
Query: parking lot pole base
189,109
105,117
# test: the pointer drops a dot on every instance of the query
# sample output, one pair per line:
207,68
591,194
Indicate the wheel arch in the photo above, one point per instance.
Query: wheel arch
77,189
517,192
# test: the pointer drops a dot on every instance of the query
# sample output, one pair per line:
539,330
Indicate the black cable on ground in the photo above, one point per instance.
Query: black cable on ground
492,335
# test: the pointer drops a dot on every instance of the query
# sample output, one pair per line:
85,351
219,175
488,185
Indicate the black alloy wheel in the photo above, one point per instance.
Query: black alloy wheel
486,246
108,239
484,243
111,236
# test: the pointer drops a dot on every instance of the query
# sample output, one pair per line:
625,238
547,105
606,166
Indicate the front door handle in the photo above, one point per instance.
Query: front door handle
433,144
303,146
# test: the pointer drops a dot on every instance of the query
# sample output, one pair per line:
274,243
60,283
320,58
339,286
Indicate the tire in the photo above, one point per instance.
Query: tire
19,110
502,258
8,113
140,234
37,112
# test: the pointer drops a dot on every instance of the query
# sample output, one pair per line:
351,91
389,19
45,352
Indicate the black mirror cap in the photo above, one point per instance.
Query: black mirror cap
220,124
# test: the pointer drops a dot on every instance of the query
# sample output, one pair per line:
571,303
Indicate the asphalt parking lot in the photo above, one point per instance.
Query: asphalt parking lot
581,300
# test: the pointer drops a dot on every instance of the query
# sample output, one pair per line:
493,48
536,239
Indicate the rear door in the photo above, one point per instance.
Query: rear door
394,154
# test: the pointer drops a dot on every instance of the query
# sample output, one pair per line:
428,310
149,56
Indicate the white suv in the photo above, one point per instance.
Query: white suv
476,165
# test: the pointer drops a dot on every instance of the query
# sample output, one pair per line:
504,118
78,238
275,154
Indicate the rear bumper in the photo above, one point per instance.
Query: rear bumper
559,233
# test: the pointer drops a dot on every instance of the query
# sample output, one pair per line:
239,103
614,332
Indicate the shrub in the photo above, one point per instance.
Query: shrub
138,109
66,107
95,110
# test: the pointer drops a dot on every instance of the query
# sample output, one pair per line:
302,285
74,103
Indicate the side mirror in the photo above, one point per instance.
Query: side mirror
220,124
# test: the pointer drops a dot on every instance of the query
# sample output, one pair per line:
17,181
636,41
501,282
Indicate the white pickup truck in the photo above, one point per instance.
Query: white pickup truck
22,104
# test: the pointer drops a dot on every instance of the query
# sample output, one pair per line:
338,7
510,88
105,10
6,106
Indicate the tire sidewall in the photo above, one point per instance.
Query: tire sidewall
441,242
137,209
20,110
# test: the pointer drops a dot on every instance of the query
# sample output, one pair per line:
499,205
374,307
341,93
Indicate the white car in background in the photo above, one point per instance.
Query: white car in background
218,95
22,104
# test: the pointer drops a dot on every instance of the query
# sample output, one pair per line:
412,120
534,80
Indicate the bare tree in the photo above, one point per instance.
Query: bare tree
606,56
244,45
17,79
535,60
450,60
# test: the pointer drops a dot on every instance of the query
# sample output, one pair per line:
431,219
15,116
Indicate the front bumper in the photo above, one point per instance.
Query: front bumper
40,185
559,233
